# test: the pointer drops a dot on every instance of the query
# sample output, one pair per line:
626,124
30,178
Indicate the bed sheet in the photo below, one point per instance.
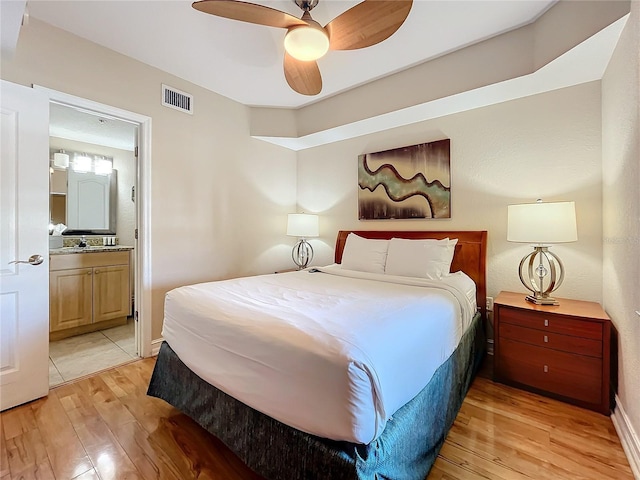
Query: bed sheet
331,352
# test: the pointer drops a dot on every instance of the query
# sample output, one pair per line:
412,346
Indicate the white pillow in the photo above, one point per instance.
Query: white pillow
364,254
420,258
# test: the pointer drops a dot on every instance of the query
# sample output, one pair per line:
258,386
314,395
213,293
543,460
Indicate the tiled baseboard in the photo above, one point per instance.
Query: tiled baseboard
628,437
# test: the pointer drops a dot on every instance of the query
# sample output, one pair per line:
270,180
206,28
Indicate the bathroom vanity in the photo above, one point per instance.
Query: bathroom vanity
89,289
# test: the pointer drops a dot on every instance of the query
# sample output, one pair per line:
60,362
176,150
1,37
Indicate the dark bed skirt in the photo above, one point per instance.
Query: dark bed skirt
405,450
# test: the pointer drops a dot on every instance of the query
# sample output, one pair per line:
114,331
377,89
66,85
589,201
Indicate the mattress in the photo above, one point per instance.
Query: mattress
330,352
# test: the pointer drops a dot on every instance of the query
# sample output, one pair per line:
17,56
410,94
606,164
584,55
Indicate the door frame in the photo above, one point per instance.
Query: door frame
142,289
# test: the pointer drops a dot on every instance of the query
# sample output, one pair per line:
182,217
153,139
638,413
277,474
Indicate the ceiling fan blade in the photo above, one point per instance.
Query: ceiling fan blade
248,12
303,77
368,23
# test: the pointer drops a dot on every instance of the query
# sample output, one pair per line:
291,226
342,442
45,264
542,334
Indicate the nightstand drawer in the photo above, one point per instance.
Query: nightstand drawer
552,322
569,375
556,341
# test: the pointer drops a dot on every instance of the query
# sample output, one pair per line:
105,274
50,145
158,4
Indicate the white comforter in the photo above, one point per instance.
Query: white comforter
333,353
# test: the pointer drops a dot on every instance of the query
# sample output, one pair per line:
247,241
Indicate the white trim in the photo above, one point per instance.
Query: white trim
143,279
155,346
628,437
143,196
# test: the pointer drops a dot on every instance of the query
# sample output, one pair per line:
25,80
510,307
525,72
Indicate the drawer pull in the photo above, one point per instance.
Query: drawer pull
546,369
89,272
546,322
546,339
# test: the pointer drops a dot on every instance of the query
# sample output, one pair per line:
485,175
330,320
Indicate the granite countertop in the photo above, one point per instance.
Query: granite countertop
89,249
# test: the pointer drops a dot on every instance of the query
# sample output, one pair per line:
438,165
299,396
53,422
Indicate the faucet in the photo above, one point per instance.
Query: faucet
83,242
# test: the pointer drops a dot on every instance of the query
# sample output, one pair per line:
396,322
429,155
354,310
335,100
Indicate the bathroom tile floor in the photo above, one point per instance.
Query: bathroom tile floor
81,355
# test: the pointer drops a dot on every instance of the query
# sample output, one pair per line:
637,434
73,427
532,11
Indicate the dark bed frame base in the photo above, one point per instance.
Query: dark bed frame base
405,450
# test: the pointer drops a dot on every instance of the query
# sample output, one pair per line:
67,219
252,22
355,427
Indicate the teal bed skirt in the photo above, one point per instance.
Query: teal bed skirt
406,449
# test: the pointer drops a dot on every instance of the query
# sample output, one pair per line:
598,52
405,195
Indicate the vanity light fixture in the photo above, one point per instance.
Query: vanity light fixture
61,159
102,166
303,226
82,163
542,224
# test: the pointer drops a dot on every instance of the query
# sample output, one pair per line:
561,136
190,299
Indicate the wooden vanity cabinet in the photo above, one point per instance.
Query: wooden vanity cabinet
111,292
88,292
70,298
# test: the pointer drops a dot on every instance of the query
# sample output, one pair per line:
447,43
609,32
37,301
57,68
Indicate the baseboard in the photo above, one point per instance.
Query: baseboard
155,346
628,437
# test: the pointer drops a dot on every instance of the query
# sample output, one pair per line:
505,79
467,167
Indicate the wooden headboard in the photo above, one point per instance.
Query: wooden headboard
470,254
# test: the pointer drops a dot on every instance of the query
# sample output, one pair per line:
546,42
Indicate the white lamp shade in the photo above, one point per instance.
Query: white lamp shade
553,222
302,225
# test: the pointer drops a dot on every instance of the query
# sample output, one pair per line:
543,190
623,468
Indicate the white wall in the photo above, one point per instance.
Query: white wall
219,199
547,146
621,212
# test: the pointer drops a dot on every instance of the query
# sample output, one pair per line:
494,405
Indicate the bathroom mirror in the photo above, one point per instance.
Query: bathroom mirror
85,202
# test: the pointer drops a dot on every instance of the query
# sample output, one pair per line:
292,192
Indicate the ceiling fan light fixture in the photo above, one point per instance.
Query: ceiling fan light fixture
363,25
306,43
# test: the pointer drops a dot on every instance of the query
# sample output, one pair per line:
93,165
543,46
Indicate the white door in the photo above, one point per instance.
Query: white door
24,220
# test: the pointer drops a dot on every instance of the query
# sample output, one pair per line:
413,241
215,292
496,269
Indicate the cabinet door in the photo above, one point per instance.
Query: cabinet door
88,201
70,298
111,298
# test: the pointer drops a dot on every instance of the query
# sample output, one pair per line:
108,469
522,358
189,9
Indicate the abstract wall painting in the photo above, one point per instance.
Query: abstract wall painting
407,182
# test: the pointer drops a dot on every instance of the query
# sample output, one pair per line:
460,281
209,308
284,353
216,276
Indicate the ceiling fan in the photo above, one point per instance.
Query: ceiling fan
368,23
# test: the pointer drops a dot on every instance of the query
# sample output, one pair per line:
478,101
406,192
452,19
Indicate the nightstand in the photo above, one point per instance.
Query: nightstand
561,351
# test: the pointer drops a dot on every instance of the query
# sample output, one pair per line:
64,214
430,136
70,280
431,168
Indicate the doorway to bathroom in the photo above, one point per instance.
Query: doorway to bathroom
93,169
99,317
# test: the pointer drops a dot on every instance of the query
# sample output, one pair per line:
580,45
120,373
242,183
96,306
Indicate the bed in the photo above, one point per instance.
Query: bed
389,405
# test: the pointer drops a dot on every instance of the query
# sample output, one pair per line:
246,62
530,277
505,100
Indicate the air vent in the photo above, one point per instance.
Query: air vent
176,99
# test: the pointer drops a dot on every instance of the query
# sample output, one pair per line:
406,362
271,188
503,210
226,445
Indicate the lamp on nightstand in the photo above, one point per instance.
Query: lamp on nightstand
541,224
303,226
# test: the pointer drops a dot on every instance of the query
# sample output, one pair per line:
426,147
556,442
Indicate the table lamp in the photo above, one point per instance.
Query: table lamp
541,224
303,226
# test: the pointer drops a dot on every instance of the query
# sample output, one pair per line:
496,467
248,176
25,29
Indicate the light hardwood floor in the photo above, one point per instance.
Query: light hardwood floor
106,427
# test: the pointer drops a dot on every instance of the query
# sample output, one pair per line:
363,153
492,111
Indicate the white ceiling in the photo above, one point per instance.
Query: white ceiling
586,62
10,18
244,61
76,124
